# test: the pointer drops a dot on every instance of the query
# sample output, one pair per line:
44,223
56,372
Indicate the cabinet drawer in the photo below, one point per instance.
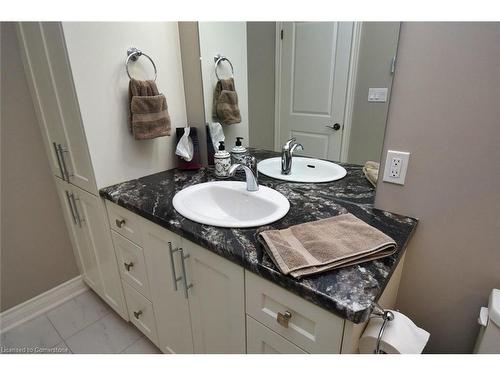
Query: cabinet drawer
141,313
261,340
131,263
310,327
124,222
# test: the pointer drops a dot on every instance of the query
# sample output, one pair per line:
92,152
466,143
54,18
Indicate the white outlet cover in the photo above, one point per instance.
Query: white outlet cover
404,157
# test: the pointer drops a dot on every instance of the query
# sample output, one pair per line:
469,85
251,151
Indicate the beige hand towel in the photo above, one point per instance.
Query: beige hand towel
370,170
225,104
149,116
322,245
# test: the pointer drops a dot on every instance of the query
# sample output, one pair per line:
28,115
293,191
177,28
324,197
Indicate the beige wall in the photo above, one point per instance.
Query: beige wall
378,45
445,111
36,252
261,52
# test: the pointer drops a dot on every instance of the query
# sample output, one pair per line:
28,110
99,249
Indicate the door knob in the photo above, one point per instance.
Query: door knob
335,126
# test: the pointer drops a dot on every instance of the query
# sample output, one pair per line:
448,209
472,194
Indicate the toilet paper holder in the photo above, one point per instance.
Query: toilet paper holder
387,316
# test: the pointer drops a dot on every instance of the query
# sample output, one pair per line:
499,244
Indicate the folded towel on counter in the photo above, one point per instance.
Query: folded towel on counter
370,170
149,116
322,245
225,104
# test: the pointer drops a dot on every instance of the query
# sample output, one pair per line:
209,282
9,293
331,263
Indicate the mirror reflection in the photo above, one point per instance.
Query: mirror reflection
326,84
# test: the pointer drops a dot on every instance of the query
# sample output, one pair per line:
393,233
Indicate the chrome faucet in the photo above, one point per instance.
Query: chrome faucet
251,173
286,155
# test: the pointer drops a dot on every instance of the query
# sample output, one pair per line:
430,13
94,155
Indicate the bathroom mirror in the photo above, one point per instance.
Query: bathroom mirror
328,84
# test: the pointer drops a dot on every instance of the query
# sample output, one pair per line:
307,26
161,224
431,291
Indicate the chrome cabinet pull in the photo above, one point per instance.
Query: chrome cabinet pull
77,213
137,314
58,156
63,150
128,266
119,223
184,277
284,318
70,203
175,279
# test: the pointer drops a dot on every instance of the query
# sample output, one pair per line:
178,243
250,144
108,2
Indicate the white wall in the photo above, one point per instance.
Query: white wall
97,52
228,39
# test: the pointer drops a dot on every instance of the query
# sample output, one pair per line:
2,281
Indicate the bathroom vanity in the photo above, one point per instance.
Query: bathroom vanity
194,288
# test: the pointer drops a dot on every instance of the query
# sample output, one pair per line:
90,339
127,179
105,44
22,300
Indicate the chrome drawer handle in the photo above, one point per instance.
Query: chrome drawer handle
175,279
284,318
184,277
137,314
119,223
128,266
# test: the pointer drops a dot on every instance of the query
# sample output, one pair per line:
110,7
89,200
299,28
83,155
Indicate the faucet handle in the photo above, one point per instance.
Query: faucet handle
251,162
287,144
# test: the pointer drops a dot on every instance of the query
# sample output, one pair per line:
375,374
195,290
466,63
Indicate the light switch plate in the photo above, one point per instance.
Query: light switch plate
377,94
396,165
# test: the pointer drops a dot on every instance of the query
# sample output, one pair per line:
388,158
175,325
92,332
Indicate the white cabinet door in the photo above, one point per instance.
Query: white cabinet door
90,214
85,257
51,82
171,307
216,301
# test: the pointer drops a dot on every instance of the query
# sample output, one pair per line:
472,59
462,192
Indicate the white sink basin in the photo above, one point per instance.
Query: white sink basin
303,170
229,204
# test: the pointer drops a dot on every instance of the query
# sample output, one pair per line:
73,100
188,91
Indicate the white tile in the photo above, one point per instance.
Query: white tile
142,346
35,334
110,334
77,313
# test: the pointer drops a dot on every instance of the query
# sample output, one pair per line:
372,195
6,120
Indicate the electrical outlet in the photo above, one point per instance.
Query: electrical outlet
396,165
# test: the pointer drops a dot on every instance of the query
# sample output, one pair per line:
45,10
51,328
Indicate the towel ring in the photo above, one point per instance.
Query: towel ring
218,59
133,54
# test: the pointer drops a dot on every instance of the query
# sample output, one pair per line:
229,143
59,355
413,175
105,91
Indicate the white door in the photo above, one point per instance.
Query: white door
90,216
171,307
314,70
51,82
216,301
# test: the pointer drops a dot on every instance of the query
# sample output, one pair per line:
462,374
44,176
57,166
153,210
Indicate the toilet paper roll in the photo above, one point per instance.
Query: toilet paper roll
401,336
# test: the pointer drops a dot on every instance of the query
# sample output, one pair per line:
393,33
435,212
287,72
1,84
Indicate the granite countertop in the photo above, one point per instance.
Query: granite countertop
348,292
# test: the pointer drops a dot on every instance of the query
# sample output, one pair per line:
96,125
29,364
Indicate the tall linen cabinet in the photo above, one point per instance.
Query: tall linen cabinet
49,75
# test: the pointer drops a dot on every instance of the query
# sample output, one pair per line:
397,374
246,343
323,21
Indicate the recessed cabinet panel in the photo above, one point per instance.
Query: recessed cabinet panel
261,340
91,217
124,222
140,310
51,82
171,307
85,257
216,300
306,325
131,263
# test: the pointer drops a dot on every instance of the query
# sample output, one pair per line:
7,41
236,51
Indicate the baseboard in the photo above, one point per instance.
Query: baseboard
41,303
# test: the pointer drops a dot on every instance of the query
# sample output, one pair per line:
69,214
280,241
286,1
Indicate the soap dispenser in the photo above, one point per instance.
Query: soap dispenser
222,160
238,152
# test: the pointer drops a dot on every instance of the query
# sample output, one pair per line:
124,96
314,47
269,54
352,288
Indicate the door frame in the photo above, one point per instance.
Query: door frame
351,88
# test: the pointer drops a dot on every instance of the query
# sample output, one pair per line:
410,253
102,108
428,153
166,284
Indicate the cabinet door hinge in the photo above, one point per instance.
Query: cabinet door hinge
281,34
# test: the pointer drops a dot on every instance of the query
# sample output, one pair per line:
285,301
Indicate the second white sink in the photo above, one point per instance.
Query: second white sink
303,170
229,204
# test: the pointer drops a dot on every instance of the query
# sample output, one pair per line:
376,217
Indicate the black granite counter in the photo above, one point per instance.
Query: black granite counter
347,292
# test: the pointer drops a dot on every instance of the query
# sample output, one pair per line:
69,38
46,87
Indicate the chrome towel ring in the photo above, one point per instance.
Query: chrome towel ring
133,54
218,59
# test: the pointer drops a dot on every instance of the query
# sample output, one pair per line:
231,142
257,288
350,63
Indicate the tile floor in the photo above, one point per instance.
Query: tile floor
82,325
